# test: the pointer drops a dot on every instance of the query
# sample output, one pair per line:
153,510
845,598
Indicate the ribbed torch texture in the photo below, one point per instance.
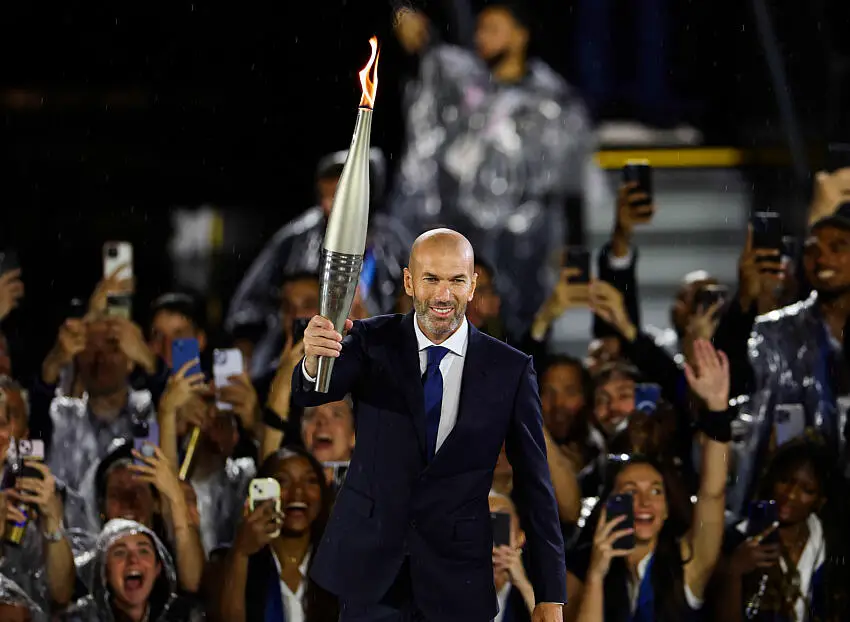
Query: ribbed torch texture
345,238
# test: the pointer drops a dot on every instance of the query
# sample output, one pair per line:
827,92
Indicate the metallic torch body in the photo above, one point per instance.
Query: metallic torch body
345,238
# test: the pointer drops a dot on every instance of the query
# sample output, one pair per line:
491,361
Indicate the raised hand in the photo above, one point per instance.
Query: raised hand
11,292
242,397
41,493
321,339
258,529
603,546
607,302
710,378
760,271
157,471
110,285
181,388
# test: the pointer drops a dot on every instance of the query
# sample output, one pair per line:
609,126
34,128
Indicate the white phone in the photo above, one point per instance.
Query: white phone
264,489
31,449
227,362
118,255
789,422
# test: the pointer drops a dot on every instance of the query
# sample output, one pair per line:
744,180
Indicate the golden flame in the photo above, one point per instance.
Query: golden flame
369,83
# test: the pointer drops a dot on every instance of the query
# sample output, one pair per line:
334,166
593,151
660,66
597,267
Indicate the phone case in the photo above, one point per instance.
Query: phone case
266,489
501,528
183,351
116,254
622,505
227,362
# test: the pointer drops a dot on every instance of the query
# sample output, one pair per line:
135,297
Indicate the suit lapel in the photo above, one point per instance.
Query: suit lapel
409,377
471,387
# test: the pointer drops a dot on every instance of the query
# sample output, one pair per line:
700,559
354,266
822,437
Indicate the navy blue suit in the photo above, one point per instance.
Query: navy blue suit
398,510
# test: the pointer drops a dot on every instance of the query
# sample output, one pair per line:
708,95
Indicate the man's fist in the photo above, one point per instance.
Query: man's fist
321,339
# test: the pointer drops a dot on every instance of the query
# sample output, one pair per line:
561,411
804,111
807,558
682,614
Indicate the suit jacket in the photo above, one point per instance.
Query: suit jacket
395,504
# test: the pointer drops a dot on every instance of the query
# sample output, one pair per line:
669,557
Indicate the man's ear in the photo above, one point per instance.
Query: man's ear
202,340
473,283
408,282
520,539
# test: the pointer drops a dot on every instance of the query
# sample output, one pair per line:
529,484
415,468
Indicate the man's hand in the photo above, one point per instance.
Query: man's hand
11,292
607,302
70,341
9,513
321,339
830,191
110,285
760,272
40,492
548,612
180,389
242,396
566,295
132,343
411,28
158,472
281,389
631,211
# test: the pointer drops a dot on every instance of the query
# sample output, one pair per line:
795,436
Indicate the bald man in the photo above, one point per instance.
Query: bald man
410,537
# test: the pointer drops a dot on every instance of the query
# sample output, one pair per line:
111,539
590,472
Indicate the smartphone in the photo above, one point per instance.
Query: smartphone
227,362
789,422
76,309
707,296
141,437
762,515
640,172
578,258
31,450
767,231
9,261
622,505
264,489
183,351
647,396
299,325
118,255
501,522
837,156
119,305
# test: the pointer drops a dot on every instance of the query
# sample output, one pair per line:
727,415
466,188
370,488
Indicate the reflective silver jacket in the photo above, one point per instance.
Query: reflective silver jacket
79,439
786,350
12,595
495,162
97,607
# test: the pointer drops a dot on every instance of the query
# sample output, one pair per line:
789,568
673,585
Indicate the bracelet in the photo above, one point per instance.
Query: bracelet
717,425
53,536
273,420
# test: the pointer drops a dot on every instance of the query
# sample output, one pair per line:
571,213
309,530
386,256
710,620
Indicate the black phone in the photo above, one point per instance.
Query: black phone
622,505
707,296
9,261
501,522
299,325
762,515
767,231
639,172
578,258
837,156
76,309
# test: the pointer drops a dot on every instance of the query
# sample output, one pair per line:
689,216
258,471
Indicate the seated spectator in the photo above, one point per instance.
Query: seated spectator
513,589
795,569
266,576
133,579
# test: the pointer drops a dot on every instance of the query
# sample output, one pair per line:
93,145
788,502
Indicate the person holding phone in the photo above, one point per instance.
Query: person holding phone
435,400
647,559
788,569
513,589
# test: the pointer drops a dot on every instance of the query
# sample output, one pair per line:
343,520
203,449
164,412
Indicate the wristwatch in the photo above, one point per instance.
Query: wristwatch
53,536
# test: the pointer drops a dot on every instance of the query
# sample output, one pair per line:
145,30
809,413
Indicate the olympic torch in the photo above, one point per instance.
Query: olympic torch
345,237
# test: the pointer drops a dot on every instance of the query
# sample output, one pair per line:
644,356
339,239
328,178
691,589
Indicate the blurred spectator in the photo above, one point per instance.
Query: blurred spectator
513,589
498,147
253,319
483,311
175,315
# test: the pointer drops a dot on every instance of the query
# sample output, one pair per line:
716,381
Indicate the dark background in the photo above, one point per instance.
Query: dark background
114,113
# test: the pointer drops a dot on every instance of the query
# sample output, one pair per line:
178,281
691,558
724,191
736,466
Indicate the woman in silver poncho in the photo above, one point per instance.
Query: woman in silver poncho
133,579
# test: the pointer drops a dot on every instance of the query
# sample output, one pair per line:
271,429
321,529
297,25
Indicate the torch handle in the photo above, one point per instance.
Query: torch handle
338,278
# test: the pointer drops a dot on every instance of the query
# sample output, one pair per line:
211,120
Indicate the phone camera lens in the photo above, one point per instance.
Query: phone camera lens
112,252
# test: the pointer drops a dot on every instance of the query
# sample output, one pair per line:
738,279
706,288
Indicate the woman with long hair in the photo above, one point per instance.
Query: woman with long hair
663,576
265,578
795,570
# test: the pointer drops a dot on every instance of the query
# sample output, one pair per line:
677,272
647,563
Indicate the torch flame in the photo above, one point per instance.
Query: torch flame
369,83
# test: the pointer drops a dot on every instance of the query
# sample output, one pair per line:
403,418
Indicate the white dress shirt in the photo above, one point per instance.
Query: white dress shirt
293,602
451,368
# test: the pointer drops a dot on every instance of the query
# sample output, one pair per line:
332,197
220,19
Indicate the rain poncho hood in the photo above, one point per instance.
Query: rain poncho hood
98,606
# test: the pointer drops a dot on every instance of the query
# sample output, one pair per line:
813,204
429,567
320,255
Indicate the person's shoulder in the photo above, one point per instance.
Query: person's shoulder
500,351
379,326
774,320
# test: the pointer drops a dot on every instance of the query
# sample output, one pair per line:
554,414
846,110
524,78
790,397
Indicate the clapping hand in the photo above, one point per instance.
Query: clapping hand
709,379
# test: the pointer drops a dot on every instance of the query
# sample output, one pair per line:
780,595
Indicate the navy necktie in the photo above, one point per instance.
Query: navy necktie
432,385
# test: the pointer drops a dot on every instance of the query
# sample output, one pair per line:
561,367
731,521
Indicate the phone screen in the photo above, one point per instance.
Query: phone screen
501,528
622,505
578,258
183,351
707,296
